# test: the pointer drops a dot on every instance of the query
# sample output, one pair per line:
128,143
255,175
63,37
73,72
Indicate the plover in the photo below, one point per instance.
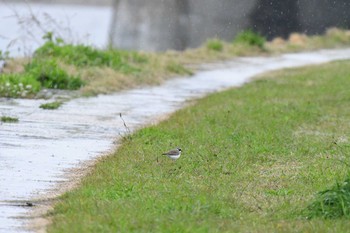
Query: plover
173,154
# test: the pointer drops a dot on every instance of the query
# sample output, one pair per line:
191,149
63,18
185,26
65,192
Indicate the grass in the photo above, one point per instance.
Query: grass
87,56
215,45
92,71
332,203
254,159
51,105
37,74
250,38
16,85
7,119
50,75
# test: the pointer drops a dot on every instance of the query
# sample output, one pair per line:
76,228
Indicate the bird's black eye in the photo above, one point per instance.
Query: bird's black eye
179,149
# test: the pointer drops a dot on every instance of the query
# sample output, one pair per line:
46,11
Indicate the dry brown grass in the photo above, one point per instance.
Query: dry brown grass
15,65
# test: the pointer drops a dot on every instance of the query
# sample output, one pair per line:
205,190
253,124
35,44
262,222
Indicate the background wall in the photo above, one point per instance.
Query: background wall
221,19
151,25
178,24
273,18
317,15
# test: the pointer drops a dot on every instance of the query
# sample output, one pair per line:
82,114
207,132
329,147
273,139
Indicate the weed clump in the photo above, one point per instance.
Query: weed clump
51,105
332,203
337,35
18,85
250,38
7,119
87,56
177,68
51,75
215,45
38,74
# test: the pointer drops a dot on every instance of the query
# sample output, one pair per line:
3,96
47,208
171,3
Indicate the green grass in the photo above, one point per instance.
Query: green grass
250,38
83,56
215,45
51,75
7,119
51,105
41,71
254,159
92,71
332,203
17,85
37,74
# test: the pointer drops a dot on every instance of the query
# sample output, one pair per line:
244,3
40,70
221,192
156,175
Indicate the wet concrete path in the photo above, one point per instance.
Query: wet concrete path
35,152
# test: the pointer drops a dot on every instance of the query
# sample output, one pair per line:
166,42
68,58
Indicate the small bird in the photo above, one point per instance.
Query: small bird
173,154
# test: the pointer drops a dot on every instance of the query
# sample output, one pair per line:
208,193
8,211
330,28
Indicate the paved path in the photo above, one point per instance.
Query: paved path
35,152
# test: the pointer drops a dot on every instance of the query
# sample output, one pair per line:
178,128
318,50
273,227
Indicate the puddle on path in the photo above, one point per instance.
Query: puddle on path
35,152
